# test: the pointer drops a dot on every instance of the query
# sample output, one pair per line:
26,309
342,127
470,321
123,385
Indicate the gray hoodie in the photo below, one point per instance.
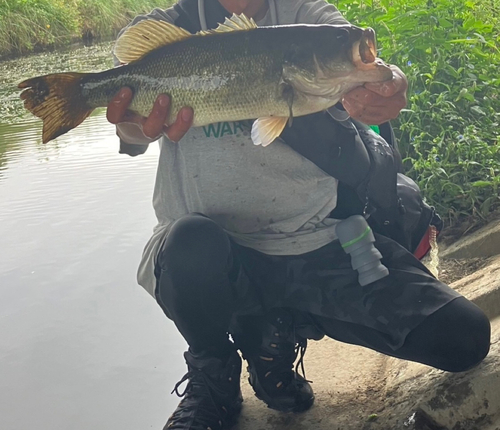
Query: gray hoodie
271,199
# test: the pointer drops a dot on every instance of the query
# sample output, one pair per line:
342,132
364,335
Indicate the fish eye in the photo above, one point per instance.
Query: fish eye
343,35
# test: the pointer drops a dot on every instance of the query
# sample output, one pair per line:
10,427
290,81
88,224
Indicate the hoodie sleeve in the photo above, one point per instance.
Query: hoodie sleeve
319,12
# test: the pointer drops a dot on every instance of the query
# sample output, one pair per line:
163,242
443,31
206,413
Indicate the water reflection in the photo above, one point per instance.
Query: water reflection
78,334
11,137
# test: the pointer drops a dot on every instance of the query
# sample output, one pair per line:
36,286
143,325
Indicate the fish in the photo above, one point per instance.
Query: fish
237,72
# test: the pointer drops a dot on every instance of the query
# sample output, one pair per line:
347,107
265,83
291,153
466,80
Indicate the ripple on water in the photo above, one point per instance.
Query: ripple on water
77,182
74,218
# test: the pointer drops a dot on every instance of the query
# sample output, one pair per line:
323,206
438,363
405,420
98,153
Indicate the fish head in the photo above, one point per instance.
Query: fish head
352,56
342,58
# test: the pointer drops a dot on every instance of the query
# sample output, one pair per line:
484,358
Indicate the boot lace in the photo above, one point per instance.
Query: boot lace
200,408
284,361
300,348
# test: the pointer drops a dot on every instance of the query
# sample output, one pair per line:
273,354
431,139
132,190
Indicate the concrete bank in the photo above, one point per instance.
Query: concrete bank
483,243
358,389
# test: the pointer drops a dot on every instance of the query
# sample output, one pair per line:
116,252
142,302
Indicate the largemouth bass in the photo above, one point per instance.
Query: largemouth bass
237,72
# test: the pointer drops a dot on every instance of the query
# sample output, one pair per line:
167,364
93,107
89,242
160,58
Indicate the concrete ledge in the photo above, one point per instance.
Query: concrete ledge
467,401
483,288
428,399
483,243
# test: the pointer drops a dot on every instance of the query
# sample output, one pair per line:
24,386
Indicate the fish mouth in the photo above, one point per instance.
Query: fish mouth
364,51
367,46
364,55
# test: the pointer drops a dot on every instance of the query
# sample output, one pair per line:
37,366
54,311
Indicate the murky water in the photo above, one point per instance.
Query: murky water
82,346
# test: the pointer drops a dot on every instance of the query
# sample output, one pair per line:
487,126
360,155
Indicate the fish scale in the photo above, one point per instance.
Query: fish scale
208,73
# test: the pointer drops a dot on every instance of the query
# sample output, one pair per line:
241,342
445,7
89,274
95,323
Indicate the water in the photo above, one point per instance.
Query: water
82,346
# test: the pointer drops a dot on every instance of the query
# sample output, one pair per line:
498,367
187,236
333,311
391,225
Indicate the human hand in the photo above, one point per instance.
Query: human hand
153,126
378,102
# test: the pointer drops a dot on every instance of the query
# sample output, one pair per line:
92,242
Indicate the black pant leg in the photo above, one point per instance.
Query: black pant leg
454,338
193,285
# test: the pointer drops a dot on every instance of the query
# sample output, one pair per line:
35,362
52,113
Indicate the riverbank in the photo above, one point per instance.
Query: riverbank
34,25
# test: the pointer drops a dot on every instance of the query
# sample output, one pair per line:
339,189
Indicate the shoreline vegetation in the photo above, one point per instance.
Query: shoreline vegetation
449,132
28,26
449,50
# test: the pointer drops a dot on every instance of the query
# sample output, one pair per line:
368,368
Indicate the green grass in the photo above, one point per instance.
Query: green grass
450,52
28,25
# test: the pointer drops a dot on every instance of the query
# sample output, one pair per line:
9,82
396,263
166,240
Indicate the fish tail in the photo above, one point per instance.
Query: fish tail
57,100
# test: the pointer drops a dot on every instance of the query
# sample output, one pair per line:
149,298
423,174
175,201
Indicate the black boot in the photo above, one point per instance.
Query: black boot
212,399
271,364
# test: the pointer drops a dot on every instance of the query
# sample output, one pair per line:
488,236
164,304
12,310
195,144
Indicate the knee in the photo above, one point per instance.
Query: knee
472,344
469,339
455,338
193,242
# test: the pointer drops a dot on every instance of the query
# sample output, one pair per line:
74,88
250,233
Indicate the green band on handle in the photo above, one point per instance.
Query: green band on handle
361,236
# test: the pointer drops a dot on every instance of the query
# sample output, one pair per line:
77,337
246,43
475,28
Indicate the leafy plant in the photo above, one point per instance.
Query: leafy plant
103,19
448,134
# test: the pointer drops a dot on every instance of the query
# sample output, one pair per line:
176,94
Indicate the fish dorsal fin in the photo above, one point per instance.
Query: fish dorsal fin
144,37
235,23
149,34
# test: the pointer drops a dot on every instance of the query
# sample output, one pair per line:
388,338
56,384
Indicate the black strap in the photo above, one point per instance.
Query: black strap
387,132
332,146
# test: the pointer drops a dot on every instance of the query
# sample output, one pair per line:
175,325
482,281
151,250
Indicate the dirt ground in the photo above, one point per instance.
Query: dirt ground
452,269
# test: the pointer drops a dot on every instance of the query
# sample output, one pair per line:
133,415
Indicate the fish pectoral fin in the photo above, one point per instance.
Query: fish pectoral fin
235,23
266,130
144,37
